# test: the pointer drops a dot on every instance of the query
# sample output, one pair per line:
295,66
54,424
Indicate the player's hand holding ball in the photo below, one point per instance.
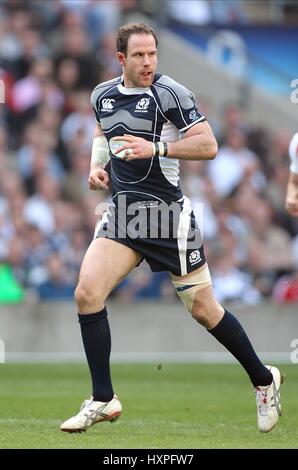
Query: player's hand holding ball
128,147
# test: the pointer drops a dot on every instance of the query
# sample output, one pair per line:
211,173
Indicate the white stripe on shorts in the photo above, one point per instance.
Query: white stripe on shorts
104,219
182,233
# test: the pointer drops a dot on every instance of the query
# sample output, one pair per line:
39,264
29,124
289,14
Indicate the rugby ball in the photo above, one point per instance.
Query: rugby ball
116,144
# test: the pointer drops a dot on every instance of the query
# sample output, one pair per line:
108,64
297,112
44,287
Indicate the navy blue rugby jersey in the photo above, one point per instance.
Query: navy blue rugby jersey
160,112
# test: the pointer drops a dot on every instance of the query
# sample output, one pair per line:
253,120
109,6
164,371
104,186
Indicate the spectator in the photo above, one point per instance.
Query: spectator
10,290
55,287
286,289
234,162
190,11
39,207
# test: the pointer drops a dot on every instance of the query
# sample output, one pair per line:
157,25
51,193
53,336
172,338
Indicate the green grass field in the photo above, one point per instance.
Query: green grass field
186,406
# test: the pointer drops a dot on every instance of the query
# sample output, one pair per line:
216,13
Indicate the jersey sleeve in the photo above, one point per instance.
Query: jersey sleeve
293,153
180,105
94,102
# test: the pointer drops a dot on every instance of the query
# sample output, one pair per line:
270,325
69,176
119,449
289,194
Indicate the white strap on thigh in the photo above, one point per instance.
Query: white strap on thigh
187,287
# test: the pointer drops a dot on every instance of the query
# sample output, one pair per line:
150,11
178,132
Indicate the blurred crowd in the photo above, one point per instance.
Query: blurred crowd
52,54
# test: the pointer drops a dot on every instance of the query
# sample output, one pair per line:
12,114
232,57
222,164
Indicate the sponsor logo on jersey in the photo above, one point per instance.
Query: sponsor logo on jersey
142,105
194,257
107,104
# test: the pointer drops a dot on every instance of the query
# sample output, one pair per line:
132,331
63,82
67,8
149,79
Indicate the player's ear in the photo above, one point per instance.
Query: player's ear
121,58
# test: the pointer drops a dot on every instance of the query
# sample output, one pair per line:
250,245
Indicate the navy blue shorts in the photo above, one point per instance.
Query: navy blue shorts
165,234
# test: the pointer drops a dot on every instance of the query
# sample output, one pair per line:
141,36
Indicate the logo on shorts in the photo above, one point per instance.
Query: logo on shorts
194,257
142,105
107,104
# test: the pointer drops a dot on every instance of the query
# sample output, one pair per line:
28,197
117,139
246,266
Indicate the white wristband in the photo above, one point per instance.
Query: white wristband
100,151
160,149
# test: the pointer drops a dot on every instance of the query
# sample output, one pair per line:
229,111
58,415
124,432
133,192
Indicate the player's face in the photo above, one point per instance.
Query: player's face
139,64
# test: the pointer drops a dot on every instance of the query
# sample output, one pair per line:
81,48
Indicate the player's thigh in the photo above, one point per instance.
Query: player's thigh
106,263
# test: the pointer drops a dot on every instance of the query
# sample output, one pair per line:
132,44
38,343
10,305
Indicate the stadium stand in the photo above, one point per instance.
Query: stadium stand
51,56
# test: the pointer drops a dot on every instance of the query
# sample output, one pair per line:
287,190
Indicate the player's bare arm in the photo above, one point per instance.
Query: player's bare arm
292,195
98,177
198,143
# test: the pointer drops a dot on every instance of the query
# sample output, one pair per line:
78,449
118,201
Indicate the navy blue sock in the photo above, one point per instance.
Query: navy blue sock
96,336
230,333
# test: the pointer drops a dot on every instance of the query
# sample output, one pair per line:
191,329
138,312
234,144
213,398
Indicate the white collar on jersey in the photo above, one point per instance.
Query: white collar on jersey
132,91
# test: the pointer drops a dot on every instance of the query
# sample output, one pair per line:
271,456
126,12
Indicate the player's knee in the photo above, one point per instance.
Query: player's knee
208,312
85,295
201,312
